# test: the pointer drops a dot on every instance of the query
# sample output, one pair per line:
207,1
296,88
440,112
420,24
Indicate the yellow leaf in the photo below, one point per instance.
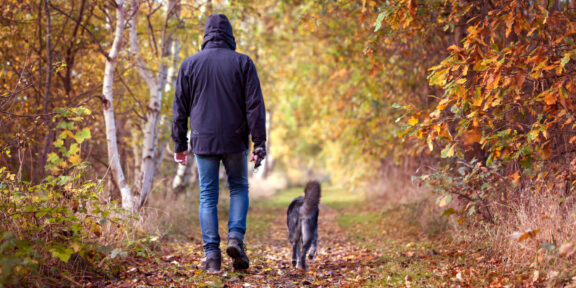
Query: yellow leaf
75,159
63,164
75,246
444,201
465,70
413,121
451,151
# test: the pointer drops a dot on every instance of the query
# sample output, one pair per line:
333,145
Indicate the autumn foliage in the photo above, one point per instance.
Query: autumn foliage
476,98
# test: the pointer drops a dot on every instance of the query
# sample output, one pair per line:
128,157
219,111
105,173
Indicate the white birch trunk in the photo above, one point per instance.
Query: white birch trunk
109,120
156,86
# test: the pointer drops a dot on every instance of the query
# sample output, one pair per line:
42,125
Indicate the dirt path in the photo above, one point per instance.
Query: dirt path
358,247
338,263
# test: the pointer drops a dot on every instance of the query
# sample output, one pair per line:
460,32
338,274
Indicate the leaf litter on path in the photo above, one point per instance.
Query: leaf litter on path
350,254
338,262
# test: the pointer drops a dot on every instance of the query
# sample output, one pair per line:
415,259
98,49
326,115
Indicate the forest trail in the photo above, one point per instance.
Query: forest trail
339,263
359,246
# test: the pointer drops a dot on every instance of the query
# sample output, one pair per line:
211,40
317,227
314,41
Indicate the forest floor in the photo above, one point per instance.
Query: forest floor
361,244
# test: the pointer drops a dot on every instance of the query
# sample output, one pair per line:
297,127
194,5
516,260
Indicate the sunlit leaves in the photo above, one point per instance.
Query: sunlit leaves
82,135
61,252
448,151
489,105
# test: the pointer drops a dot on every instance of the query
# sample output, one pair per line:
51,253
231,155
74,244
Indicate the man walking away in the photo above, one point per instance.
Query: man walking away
219,90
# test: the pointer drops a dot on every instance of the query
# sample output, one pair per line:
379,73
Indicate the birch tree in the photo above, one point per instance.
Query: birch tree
109,120
156,86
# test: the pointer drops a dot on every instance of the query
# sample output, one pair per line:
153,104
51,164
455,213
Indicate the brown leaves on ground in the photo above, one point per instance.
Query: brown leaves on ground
355,250
179,264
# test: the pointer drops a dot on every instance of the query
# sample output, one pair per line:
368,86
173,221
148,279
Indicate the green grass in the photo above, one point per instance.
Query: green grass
403,240
332,196
388,233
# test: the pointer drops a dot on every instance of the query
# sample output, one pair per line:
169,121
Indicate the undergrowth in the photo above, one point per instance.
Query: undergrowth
58,232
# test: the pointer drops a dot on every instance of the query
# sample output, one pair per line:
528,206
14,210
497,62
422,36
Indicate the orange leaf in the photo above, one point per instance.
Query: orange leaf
529,234
550,98
472,136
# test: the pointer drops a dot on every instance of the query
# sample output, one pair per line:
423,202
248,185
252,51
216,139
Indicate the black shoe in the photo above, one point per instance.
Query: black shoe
213,263
236,251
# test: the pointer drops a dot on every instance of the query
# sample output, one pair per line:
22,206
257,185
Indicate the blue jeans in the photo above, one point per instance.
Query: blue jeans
236,166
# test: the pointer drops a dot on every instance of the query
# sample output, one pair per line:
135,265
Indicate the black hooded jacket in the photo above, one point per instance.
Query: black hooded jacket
219,90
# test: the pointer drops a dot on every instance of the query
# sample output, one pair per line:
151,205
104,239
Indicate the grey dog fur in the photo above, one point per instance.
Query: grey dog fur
302,222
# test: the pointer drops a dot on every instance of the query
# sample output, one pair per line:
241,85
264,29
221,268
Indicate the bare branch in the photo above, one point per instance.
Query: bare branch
78,22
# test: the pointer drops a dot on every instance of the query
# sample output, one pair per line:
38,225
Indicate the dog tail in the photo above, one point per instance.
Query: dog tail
311,198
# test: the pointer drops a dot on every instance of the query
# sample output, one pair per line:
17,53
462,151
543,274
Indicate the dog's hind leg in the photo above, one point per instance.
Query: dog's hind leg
295,252
295,240
314,245
307,239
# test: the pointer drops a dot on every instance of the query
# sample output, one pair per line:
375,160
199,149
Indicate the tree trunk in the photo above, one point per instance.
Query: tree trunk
109,120
156,86
48,138
209,7
459,28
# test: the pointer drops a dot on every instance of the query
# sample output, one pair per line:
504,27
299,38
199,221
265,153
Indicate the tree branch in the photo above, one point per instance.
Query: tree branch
100,48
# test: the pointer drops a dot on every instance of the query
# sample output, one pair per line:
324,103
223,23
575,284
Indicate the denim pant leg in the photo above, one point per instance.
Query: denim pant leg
237,171
208,166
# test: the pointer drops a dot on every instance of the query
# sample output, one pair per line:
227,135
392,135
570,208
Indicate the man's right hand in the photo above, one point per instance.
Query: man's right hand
181,157
258,155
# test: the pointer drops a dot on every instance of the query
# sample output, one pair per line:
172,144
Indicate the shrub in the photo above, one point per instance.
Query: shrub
54,230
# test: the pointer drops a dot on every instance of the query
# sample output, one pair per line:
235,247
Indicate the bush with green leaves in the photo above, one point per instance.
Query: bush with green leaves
474,184
53,230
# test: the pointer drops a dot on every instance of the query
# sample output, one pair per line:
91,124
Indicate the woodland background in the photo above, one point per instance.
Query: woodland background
469,103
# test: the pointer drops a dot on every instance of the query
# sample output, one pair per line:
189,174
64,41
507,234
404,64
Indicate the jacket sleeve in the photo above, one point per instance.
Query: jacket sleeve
181,111
255,110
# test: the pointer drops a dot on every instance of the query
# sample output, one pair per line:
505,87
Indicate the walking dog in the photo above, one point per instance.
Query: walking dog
302,221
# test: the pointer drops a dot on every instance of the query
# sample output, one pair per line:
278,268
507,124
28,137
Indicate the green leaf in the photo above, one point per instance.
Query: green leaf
565,60
53,158
378,23
61,252
58,143
118,252
448,151
563,92
65,125
82,135
74,149
449,212
62,180
105,249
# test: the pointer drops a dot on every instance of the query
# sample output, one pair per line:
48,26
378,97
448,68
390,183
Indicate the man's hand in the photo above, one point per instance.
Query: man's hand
257,156
181,157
